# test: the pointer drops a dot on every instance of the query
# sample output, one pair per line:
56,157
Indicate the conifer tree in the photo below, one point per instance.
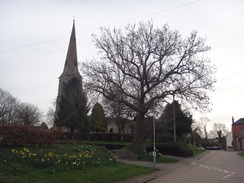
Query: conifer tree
183,119
97,120
73,107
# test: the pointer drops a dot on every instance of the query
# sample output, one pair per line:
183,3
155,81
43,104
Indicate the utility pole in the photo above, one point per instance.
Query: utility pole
206,134
174,118
154,141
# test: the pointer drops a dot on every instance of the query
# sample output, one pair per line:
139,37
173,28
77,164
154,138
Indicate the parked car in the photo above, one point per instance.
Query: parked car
214,148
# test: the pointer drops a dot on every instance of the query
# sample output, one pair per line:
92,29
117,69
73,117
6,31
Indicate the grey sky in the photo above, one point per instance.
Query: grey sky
34,38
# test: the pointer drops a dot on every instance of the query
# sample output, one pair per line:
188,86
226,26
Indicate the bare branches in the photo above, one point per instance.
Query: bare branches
13,111
144,63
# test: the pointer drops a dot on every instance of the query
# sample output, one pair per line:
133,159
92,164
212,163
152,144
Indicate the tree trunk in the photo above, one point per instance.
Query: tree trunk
140,137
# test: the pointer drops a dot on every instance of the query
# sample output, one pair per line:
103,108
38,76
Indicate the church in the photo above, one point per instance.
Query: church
70,102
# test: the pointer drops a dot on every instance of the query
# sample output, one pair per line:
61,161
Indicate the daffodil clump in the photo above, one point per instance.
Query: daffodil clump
79,157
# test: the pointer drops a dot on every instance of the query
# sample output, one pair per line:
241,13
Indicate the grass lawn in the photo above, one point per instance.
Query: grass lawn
64,163
241,154
196,150
99,174
144,156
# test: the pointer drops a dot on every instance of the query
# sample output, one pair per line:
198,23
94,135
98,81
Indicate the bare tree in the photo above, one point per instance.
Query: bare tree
197,133
119,114
13,111
198,128
145,64
204,121
28,114
219,132
7,107
50,115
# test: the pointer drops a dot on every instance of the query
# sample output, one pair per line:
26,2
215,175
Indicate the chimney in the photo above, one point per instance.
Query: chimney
232,119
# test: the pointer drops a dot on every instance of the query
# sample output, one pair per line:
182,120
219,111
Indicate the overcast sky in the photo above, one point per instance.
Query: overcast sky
34,37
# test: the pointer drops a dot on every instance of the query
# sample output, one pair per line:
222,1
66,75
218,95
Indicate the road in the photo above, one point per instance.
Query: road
213,167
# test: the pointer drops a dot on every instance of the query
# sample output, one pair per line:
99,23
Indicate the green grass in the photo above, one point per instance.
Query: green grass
64,163
144,156
100,174
196,150
241,154
191,146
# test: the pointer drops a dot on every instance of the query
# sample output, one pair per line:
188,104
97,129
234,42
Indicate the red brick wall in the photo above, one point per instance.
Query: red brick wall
242,144
236,129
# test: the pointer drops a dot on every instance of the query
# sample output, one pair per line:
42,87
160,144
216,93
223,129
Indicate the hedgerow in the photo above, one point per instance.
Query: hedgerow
172,148
18,134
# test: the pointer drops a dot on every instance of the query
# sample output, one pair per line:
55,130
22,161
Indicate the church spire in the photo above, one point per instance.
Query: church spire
71,62
70,73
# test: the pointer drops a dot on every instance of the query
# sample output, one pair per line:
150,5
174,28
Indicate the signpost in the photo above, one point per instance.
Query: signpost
154,143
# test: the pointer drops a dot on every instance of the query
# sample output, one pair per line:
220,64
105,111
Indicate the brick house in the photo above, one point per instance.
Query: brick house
238,134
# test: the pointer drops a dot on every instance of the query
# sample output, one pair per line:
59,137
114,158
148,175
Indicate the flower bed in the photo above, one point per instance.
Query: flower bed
65,157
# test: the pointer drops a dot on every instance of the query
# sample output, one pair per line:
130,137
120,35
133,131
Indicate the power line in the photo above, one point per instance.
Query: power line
233,75
116,23
153,13
29,45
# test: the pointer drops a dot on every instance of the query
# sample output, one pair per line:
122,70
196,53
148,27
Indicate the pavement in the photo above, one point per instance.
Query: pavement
163,168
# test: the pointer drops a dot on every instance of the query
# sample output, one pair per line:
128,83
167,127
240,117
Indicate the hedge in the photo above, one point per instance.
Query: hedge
172,148
18,134
112,137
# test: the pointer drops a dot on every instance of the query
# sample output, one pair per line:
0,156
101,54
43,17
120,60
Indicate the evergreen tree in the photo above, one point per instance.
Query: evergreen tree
97,120
183,120
73,107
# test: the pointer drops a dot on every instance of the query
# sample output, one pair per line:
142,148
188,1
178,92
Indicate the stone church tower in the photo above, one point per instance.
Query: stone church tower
70,71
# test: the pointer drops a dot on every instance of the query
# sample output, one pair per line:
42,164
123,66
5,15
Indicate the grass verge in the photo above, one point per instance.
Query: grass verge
241,154
106,174
64,163
144,156
196,150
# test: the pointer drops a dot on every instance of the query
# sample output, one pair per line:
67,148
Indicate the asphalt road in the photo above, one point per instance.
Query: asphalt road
213,167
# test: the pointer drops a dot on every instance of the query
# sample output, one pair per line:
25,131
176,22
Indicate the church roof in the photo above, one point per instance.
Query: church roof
239,122
71,63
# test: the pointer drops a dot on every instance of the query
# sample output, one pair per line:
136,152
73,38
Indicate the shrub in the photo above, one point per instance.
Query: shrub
165,137
112,146
18,134
112,137
172,148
